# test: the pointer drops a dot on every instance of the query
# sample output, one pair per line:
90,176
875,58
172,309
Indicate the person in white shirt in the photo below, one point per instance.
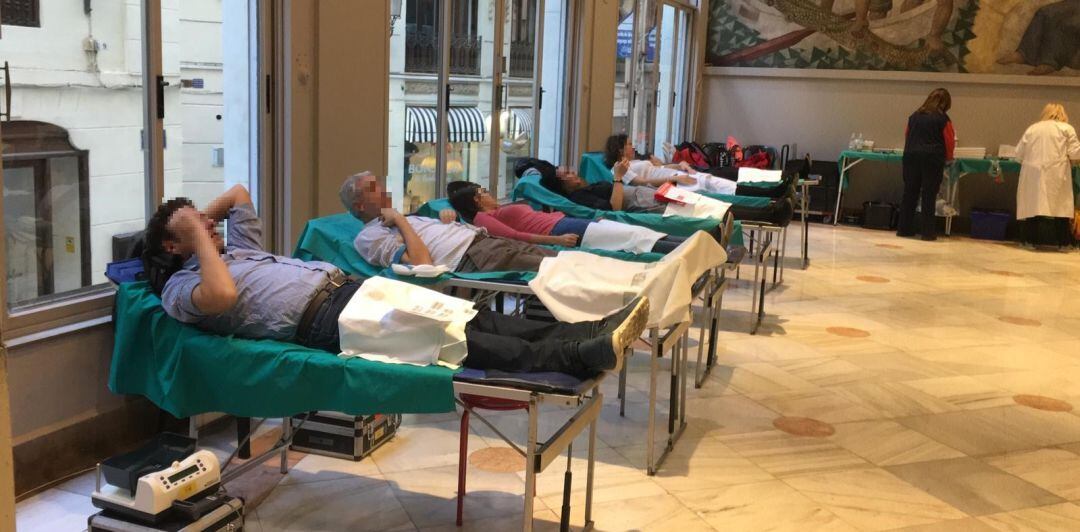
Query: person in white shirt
1045,188
619,155
389,237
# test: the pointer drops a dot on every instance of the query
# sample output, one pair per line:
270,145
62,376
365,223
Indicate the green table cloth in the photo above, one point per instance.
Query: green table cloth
958,168
186,371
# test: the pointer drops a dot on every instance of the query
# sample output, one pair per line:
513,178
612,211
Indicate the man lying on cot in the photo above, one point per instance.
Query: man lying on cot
622,159
233,287
520,222
389,238
617,196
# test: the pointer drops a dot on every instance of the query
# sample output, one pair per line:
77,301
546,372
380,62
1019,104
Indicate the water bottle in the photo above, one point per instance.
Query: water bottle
851,143
859,142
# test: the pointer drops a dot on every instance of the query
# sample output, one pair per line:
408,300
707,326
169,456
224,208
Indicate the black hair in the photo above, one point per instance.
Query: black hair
462,196
548,177
158,263
613,150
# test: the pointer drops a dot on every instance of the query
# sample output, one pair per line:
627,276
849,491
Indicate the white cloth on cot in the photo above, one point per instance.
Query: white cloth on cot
400,323
616,236
693,205
578,286
757,175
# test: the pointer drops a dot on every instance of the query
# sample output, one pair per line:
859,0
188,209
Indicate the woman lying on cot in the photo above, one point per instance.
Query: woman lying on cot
616,196
520,222
619,155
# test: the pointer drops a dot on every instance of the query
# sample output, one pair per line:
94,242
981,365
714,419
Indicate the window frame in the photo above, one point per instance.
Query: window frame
36,8
92,306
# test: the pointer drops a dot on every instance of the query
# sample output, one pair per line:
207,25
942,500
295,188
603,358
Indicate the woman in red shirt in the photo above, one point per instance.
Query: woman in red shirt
929,144
520,222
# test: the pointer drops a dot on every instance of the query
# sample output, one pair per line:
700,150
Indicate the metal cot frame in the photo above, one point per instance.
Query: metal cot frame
671,340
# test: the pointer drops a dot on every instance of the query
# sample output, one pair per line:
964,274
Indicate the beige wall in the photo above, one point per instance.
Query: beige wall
821,114
597,73
7,480
339,71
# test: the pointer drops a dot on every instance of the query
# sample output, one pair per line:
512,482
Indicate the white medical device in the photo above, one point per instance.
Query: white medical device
154,493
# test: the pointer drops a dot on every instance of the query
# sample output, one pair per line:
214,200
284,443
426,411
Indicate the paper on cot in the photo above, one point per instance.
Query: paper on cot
578,286
617,236
694,205
757,175
400,323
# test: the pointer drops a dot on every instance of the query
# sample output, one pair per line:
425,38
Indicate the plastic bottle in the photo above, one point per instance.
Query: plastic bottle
859,142
851,143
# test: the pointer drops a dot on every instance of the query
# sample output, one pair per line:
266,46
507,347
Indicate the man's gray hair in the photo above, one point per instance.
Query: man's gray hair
350,192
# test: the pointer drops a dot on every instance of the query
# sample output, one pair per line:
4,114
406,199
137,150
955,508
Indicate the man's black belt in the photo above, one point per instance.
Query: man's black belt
334,281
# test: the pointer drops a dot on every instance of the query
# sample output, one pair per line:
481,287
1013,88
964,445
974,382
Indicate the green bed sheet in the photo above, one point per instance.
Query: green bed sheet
186,371
593,164
330,239
529,189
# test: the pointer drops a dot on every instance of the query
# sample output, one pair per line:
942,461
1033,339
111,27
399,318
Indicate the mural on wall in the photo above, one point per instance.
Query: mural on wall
1019,37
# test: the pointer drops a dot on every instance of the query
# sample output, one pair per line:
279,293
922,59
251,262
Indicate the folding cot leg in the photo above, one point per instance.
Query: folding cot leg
530,466
568,486
654,368
590,470
761,298
286,433
463,457
673,386
700,370
622,385
682,380
243,429
193,428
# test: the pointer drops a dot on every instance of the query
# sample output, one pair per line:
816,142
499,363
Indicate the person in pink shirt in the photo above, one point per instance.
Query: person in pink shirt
520,222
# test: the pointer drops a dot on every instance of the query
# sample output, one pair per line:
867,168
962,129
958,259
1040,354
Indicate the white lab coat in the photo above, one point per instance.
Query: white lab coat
1045,173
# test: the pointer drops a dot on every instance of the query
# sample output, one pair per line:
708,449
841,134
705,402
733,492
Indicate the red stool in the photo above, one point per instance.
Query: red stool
481,403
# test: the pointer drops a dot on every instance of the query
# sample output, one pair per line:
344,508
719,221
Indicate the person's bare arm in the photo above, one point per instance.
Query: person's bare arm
617,196
216,291
219,208
416,252
942,14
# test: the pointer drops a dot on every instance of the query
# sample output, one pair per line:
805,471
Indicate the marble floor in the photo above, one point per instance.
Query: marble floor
895,385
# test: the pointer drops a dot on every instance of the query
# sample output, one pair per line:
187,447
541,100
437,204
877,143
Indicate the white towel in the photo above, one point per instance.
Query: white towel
757,175
396,322
694,205
577,286
617,236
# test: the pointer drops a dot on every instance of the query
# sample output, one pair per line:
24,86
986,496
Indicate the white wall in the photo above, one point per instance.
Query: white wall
820,114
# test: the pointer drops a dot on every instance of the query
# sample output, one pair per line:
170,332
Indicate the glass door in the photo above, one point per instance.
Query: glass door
470,93
644,95
672,79
210,68
624,68
520,95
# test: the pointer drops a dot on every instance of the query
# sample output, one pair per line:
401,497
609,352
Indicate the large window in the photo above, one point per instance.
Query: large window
78,170
21,12
489,113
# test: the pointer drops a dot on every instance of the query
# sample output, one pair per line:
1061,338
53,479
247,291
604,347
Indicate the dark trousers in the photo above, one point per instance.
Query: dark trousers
667,244
923,173
495,341
501,342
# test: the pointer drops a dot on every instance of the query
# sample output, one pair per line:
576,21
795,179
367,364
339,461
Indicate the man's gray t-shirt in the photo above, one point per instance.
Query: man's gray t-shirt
446,242
272,291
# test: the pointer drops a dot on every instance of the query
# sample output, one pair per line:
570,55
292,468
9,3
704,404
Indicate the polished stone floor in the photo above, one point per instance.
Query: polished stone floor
895,384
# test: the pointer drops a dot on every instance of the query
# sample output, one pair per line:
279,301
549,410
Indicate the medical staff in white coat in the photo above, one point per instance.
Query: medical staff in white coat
1044,199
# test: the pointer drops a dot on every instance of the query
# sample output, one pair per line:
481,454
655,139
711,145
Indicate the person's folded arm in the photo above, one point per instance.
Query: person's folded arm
216,291
219,208
416,252
616,196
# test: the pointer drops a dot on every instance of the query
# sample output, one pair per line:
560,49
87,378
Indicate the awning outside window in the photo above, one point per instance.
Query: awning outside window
521,123
465,124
